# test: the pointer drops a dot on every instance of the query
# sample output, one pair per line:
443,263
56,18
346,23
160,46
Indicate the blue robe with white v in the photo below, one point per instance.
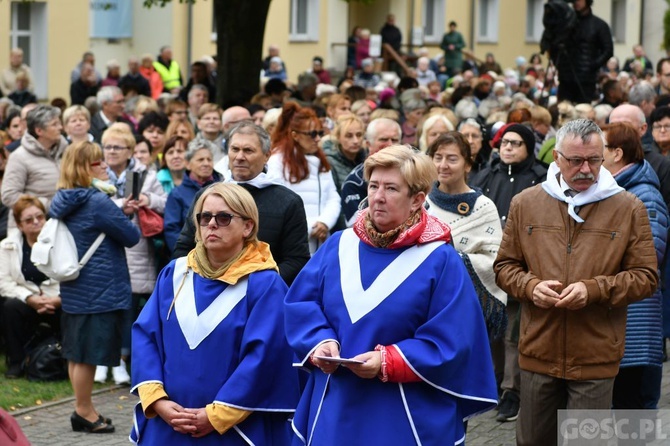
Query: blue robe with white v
425,304
235,354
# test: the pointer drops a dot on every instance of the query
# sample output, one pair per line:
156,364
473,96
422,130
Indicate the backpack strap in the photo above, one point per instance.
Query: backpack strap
91,250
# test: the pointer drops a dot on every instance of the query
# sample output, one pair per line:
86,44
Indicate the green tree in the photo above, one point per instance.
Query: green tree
665,43
240,28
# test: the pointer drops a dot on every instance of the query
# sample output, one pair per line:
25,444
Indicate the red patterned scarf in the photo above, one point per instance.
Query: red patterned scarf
419,228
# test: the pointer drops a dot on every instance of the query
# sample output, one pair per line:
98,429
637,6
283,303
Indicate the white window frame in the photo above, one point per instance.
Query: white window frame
312,33
618,20
534,26
436,17
488,9
38,59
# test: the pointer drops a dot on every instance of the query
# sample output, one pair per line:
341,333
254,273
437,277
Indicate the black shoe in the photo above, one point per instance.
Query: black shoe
14,371
81,424
104,419
508,410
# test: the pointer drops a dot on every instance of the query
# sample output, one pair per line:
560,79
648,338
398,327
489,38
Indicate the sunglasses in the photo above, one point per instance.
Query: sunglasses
222,218
313,134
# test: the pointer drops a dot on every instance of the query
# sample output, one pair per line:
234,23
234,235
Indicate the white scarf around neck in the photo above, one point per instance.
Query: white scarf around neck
604,187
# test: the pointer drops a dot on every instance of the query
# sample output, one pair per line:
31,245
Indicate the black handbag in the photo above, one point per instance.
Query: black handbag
44,361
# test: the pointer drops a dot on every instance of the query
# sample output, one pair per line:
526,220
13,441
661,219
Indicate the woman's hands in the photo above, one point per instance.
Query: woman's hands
192,422
43,304
130,205
330,349
371,366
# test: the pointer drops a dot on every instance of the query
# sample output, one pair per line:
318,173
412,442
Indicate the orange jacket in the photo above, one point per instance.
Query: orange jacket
155,81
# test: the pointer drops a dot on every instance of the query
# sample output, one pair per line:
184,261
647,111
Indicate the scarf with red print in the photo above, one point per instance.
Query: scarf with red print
418,229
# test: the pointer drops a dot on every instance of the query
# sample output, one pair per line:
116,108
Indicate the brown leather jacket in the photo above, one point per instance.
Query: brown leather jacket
612,253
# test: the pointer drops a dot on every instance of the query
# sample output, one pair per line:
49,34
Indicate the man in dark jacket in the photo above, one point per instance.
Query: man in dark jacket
283,224
391,34
587,49
133,80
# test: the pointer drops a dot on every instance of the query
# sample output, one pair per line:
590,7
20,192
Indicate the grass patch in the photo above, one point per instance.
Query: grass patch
20,393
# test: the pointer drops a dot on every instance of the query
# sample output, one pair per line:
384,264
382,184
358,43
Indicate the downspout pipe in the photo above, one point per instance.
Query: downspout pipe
189,35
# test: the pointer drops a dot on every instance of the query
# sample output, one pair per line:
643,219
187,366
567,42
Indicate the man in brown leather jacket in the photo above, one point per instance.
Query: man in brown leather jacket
577,249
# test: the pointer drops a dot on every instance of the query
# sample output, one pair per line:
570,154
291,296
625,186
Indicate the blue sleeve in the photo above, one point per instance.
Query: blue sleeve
658,218
264,377
114,223
450,351
306,324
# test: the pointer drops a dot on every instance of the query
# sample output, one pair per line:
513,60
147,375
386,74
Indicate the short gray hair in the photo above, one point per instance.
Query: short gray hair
640,93
40,117
198,144
578,128
106,94
249,128
371,132
197,87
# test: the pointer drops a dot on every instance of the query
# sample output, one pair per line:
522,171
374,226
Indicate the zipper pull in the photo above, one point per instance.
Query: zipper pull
569,248
530,229
509,170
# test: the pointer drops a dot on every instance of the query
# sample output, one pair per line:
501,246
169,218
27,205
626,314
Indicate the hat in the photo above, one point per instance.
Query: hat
276,59
367,62
386,94
520,61
525,133
318,60
498,85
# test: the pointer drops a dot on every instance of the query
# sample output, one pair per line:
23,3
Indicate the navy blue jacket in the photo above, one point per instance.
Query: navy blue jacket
178,203
104,283
644,335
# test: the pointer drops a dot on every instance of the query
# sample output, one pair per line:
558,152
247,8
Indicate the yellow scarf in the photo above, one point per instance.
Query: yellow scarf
253,257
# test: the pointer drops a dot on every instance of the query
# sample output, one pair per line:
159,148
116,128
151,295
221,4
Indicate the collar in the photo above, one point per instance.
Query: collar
257,257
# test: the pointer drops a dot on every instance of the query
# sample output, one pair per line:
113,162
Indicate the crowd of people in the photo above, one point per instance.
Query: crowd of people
442,241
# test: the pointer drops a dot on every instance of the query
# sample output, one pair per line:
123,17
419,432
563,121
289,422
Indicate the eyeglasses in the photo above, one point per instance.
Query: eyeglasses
114,148
34,219
313,134
97,163
222,218
513,143
179,112
579,162
664,127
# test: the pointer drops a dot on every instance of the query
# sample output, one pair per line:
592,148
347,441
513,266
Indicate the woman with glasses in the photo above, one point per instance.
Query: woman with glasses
211,364
298,161
94,303
199,174
27,296
660,129
127,173
638,384
480,148
346,151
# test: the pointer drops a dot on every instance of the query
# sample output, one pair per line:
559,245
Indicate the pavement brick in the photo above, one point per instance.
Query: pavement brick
49,425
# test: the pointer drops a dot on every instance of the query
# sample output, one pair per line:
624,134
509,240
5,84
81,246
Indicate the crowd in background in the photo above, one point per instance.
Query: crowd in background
158,139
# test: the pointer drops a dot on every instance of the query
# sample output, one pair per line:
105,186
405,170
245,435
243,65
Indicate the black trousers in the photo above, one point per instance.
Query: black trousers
576,92
19,324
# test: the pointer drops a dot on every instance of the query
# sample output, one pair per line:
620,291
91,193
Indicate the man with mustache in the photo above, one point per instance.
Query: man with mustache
576,251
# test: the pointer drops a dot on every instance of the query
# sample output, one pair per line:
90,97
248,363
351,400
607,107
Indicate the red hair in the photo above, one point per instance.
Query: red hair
295,118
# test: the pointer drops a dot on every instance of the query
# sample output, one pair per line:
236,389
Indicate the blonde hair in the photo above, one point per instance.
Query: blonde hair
343,123
75,110
120,131
145,105
75,167
430,122
237,199
385,113
539,115
209,108
174,126
417,169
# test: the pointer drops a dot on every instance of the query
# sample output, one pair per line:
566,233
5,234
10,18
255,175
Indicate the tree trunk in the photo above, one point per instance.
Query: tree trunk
240,26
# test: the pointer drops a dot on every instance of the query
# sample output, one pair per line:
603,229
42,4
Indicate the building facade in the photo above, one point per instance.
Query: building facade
55,33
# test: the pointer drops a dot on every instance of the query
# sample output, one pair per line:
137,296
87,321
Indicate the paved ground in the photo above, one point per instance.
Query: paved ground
50,424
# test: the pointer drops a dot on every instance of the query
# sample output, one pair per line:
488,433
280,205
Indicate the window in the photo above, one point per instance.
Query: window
28,32
433,20
619,20
534,26
487,29
304,20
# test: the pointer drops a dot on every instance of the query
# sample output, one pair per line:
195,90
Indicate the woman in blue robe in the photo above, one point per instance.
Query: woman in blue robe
392,294
210,362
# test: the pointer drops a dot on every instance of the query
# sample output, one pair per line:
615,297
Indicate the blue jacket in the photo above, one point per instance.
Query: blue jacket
104,283
644,331
178,203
